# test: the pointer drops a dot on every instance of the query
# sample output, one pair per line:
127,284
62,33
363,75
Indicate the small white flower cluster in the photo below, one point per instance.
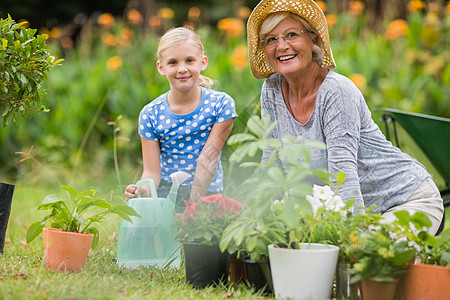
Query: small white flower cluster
324,196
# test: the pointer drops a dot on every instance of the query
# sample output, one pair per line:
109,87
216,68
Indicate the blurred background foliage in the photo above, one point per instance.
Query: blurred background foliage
396,52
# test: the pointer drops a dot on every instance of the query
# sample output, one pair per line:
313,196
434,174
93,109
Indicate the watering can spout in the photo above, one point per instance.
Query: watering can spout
177,179
167,212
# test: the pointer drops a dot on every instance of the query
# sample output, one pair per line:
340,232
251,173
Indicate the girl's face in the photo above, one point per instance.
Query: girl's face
292,56
182,64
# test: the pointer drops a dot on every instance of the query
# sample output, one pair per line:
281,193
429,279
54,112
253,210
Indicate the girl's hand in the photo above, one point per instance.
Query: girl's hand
131,192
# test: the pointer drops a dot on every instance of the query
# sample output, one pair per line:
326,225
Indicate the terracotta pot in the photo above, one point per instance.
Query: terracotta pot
428,282
66,251
376,290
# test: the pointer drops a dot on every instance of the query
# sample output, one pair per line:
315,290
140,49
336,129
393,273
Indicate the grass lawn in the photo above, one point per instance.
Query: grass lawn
23,276
22,273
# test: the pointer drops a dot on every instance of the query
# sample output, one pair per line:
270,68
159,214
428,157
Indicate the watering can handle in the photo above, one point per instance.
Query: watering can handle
151,184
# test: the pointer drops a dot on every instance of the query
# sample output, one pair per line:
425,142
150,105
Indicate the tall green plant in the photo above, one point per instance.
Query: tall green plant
24,64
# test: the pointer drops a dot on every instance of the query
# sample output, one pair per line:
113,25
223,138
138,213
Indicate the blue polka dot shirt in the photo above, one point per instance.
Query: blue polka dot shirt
182,137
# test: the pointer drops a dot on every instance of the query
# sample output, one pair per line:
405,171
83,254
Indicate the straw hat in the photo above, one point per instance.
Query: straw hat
307,9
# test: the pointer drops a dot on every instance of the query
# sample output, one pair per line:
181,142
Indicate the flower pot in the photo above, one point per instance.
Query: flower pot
376,290
304,273
237,270
66,251
6,194
428,282
258,275
205,265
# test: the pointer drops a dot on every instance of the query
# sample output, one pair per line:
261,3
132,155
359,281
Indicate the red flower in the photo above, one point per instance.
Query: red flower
228,205
191,208
212,198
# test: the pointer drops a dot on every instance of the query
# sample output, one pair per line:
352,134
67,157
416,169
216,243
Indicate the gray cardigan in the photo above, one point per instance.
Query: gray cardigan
377,173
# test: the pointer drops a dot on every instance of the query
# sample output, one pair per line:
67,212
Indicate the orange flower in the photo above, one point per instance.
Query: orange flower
154,21
105,20
244,12
416,5
166,13
109,40
332,20
239,58
359,81
322,5
126,34
352,239
396,29
114,63
231,26
134,16
67,43
194,13
356,8
55,33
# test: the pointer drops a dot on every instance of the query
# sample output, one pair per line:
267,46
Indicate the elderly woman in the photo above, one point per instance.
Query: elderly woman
289,45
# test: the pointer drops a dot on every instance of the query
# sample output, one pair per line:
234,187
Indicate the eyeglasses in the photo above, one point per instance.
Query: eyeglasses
272,41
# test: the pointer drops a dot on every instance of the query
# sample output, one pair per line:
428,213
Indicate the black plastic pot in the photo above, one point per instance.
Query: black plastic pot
258,275
205,265
6,194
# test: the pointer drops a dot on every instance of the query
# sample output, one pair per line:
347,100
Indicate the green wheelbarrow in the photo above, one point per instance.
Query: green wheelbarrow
432,136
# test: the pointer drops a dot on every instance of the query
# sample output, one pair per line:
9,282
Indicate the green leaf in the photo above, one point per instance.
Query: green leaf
69,189
255,125
340,177
34,231
51,199
240,137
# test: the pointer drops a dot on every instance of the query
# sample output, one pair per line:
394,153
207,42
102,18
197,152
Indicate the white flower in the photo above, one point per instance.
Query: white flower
323,192
315,202
335,204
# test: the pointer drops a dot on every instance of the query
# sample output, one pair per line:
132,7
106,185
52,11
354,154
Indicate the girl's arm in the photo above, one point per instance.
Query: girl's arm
151,168
207,161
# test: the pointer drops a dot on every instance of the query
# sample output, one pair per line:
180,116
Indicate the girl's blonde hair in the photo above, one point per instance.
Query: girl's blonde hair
274,19
182,34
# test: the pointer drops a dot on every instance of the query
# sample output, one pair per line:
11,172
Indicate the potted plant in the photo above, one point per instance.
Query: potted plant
292,225
72,230
429,276
24,64
200,229
381,253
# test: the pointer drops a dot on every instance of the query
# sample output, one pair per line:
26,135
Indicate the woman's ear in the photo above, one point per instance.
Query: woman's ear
204,62
160,68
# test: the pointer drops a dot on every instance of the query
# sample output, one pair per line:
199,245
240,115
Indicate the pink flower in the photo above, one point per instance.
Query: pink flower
189,212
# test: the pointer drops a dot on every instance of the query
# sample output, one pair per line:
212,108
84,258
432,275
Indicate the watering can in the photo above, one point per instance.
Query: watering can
150,239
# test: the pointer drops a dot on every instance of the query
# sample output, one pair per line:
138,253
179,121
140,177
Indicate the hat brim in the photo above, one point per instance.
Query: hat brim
306,9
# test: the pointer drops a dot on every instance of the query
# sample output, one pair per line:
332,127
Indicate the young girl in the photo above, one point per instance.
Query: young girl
185,128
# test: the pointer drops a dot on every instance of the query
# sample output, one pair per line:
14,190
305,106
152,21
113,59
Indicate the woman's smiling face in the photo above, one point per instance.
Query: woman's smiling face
289,57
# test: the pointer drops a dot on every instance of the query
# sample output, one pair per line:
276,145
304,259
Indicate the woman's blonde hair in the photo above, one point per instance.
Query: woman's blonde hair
274,19
182,34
